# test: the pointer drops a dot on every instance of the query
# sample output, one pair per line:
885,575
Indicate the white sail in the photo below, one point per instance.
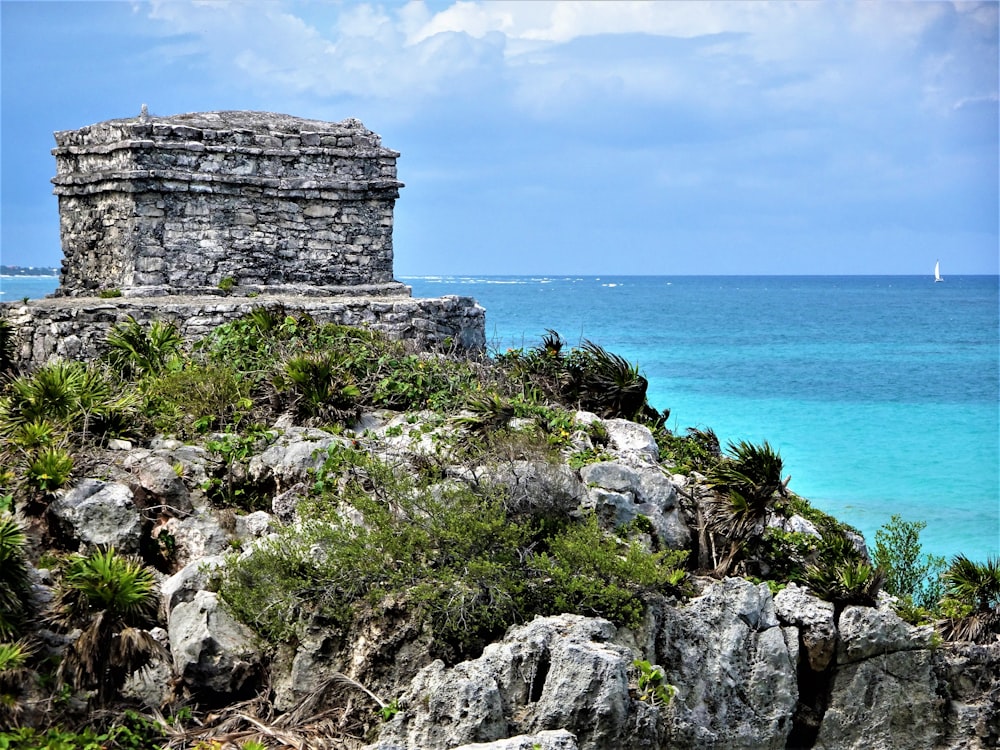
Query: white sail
937,271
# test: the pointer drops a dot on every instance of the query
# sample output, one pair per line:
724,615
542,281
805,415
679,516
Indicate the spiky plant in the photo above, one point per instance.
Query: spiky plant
748,483
605,383
321,387
112,599
71,395
16,604
14,674
972,594
136,351
49,470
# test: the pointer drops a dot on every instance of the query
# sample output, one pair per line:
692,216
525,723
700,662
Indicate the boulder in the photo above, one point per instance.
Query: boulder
553,673
157,484
814,619
98,514
971,675
182,586
734,672
291,457
213,653
633,442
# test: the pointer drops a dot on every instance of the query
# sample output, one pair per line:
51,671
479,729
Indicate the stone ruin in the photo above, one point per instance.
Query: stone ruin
198,218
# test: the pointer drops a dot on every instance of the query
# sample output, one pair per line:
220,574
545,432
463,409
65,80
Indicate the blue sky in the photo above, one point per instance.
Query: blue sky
567,137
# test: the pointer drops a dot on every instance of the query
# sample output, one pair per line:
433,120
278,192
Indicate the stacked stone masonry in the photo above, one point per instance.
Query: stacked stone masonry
198,218
175,205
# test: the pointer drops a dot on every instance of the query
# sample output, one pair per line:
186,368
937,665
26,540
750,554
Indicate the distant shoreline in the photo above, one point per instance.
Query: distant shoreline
20,271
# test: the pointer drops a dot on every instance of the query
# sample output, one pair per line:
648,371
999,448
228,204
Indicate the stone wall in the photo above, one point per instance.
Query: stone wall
77,328
174,205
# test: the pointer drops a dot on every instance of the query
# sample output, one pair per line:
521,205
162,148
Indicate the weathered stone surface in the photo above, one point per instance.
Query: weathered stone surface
971,673
158,485
182,586
634,442
888,701
188,200
553,673
558,739
43,327
98,514
870,631
288,460
215,655
814,619
734,673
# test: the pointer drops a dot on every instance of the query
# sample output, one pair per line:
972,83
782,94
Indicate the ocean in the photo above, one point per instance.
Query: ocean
882,393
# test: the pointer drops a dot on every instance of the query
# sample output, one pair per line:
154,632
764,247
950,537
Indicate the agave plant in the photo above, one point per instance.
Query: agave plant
49,470
135,351
16,604
972,593
111,598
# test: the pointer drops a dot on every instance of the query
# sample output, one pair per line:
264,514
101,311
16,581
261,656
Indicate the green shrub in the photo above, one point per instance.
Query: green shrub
915,579
466,566
227,283
195,399
109,293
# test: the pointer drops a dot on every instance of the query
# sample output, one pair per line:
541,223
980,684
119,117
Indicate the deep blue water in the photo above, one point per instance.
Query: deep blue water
882,393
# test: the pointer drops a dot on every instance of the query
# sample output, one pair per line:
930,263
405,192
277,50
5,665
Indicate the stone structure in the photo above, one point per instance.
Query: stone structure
171,205
197,213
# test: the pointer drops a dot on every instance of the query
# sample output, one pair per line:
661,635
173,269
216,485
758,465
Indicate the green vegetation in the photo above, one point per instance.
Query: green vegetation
913,578
112,599
461,559
109,293
972,599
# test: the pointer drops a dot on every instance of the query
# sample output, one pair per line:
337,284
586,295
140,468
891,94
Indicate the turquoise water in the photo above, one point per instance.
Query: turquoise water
881,393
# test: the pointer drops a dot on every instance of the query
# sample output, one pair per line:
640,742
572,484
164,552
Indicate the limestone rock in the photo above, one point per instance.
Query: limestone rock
214,654
888,701
971,673
632,441
289,459
553,673
558,739
157,484
182,586
98,514
814,619
735,675
870,631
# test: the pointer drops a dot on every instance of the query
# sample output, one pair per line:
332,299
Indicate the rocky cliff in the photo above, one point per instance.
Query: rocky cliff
472,566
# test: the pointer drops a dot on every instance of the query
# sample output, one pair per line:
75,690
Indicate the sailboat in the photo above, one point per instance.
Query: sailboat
937,271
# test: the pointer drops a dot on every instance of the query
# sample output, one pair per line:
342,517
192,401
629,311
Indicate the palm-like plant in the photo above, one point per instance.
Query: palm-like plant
16,603
111,598
748,482
321,385
136,351
68,394
972,593
605,383
14,673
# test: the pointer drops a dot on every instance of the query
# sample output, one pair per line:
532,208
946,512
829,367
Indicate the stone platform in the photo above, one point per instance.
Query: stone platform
77,327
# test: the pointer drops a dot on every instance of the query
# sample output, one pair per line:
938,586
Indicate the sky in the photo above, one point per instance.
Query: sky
566,137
